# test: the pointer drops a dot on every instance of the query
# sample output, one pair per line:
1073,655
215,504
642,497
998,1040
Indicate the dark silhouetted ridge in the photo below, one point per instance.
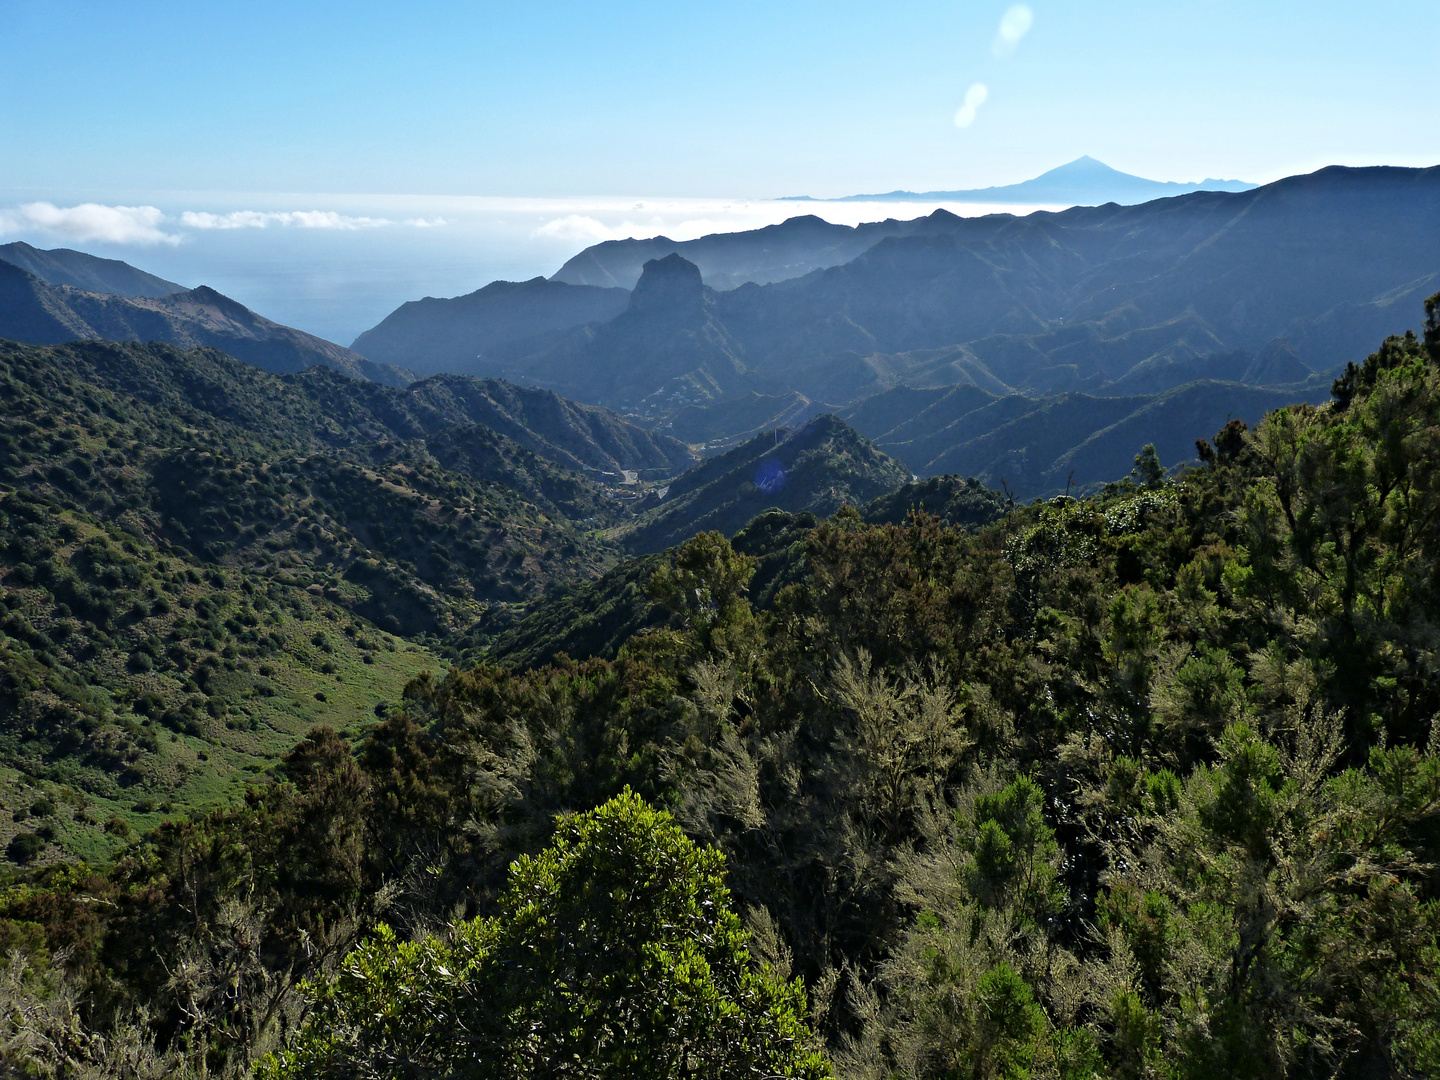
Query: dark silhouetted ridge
63,266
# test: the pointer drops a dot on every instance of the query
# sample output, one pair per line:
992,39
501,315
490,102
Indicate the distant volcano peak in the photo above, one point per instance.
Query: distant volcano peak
1085,181
1083,164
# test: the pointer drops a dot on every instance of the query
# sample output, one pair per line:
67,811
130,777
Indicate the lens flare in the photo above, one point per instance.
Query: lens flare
974,98
770,476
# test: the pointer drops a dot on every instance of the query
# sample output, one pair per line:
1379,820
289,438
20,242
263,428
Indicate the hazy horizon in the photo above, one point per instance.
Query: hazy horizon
336,265
206,144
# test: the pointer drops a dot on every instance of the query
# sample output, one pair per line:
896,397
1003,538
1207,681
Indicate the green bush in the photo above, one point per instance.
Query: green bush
615,954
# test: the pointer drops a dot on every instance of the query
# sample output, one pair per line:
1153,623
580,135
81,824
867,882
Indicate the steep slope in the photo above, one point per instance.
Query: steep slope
64,266
1040,446
816,468
1170,421
379,468
584,438
38,313
452,335
924,422
1074,439
319,410
666,349
573,435
200,559
1018,453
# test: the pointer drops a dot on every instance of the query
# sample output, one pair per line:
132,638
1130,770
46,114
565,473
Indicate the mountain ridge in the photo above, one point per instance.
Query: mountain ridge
449,334
814,468
80,270
200,559
36,312
1314,266
792,248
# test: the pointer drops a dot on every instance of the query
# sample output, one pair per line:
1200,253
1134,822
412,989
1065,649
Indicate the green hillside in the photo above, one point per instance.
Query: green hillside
198,557
815,468
199,561
1139,785
598,617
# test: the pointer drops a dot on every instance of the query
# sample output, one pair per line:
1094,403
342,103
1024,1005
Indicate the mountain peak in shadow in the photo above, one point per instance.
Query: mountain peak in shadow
816,468
671,285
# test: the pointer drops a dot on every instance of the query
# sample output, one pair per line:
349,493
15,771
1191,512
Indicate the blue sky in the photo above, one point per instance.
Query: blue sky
323,162
696,98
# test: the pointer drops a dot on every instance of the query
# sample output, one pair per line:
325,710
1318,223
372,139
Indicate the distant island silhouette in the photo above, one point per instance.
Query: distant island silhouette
1082,182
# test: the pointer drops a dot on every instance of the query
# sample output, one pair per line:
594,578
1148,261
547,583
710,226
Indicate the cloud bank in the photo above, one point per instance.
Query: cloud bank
90,221
149,225
587,230
974,98
1014,25
576,227
295,219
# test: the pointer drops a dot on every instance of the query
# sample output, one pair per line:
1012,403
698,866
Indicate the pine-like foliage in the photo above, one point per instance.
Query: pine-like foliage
1141,785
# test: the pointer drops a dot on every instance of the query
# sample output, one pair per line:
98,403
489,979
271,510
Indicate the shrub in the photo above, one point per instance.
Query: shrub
23,847
615,954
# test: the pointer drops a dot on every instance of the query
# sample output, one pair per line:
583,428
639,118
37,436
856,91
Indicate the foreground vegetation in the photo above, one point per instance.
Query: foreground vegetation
1145,785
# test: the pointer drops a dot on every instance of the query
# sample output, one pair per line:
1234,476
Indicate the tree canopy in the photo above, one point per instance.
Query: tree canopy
614,954
1144,784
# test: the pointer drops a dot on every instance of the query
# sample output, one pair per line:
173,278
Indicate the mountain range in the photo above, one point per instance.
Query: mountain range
1078,300
49,297
1039,351
1082,182
193,496
347,714
790,249
799,245
1088,317
303,674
